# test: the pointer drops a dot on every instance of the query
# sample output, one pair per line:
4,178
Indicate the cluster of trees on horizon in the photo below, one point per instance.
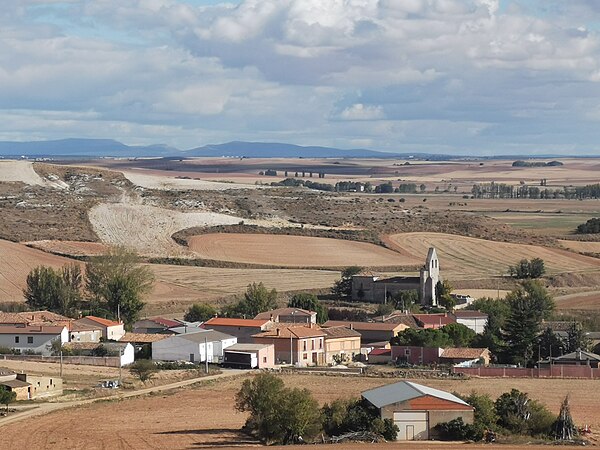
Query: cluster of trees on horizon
494,190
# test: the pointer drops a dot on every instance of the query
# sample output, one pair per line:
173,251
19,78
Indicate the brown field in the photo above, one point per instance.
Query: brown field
583,300
295,251
204,417
581,247
69,248
462,257
16,261
179,286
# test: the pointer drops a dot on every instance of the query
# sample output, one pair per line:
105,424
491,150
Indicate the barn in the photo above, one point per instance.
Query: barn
417,409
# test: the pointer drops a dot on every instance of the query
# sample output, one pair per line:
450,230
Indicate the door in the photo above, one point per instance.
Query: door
410,432
192,357
412,425
314,358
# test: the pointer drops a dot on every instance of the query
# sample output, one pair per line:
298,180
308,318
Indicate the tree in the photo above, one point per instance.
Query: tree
347,415
536,268
528,269
519,414
199,312
7,397
529,305
460,335
404,300
343,287
309,302
576,338
257,299
55,290
485,413
144,369
427,337
442,292
117,280
278,414
549,344
492,337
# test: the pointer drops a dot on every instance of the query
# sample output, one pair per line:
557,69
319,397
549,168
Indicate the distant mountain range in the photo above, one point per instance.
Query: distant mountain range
96,148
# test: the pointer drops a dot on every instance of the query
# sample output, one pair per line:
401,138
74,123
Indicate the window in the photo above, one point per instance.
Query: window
304,345
321,344
304,356
407,351
16,339
313,344
30,339
264,359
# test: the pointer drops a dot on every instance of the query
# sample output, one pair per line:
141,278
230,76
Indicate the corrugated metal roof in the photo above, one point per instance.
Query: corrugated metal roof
206,335
405,390
247,347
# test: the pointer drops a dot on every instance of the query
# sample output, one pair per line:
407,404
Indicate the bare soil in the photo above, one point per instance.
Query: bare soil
204,416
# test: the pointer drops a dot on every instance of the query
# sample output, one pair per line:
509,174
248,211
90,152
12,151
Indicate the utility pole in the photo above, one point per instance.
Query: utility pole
61,361
206,354
120,367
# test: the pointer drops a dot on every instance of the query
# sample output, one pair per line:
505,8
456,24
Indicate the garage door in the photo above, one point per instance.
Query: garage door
412,425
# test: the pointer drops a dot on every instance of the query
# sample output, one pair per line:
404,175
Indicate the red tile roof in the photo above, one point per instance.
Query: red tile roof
166,322
38,329
101,321
230,322
463,353
469,314
381,352
291,332
284,312
374,326
434,319
143,338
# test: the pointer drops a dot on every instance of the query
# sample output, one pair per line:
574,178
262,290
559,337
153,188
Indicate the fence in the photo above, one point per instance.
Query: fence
106,361
556,371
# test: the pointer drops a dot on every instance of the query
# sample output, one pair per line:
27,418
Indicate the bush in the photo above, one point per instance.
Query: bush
199,312
528,269
519,414
592,226
144,369
346,415
457,430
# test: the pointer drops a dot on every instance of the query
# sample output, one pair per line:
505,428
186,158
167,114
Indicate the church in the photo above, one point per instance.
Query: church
371,288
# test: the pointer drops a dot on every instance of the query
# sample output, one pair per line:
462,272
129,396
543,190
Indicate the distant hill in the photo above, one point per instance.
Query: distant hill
82,147
280,150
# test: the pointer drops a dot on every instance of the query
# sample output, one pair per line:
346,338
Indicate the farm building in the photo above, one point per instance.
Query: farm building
194,347
249,356
341,343
458,355
30,387
124,350
289,315
379,356
436,355
79,332
398,317
111,330
370,331
36,339
475,320
300,345
371,288
417,409
142,343
243,329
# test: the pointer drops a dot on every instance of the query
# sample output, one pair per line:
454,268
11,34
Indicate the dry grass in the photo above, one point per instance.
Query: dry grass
463,257
581,247
581,300
295,251
69,248
151,179
204,416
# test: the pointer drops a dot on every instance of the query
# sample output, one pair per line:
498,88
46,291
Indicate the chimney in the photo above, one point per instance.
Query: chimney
278,331
351,326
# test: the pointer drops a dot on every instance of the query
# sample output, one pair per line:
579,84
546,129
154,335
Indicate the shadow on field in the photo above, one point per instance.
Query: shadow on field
220,437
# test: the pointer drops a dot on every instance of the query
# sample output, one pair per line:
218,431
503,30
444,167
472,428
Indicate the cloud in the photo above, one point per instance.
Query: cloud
453,75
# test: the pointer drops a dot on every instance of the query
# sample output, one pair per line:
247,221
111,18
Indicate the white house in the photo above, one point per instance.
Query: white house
475,320
111,330
85,333
194,347
30,338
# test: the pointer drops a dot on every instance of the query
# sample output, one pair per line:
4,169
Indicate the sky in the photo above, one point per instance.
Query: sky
468,77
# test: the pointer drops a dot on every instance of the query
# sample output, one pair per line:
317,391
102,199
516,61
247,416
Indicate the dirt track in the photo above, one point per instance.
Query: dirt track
20,171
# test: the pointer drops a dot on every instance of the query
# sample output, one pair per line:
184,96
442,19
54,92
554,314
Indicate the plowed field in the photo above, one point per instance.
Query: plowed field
463,257
204,417
69,248
16,261
295,251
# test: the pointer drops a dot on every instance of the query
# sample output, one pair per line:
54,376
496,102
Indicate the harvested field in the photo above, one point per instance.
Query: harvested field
463,257
152,179
581,246
179,286
204,416
295,251
582,300
69,248
480,293
16,261
20,171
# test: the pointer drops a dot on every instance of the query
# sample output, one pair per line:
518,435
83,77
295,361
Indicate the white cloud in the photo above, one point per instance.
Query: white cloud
358,111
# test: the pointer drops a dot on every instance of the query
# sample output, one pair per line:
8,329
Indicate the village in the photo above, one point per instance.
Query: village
434,342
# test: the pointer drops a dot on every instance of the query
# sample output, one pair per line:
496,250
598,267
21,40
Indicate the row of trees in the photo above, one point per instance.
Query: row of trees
502,190
284,415
113,284
527,269
451,335
592,226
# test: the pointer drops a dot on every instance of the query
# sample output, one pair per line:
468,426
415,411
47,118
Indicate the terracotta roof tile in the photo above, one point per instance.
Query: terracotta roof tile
434,319
291,332
370,326
463,353
230,322
284,312
340,332
143,338
101,321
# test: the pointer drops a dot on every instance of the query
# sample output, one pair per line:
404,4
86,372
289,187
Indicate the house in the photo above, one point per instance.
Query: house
379,356
289,315
142,343
459,355
418,356
11,319
299,345
434,321
243,329
30,387
475,320
371,288
35,339
370,331
341,344
398,317
155,325
249,356
194,347
111,330
417,409
124,350
576,358
45,318
79,332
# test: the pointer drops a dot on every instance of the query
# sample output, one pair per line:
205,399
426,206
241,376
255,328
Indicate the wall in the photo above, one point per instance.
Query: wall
105,361
349,346
42,386
437,417
557,371
475,324
85,336
418,355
